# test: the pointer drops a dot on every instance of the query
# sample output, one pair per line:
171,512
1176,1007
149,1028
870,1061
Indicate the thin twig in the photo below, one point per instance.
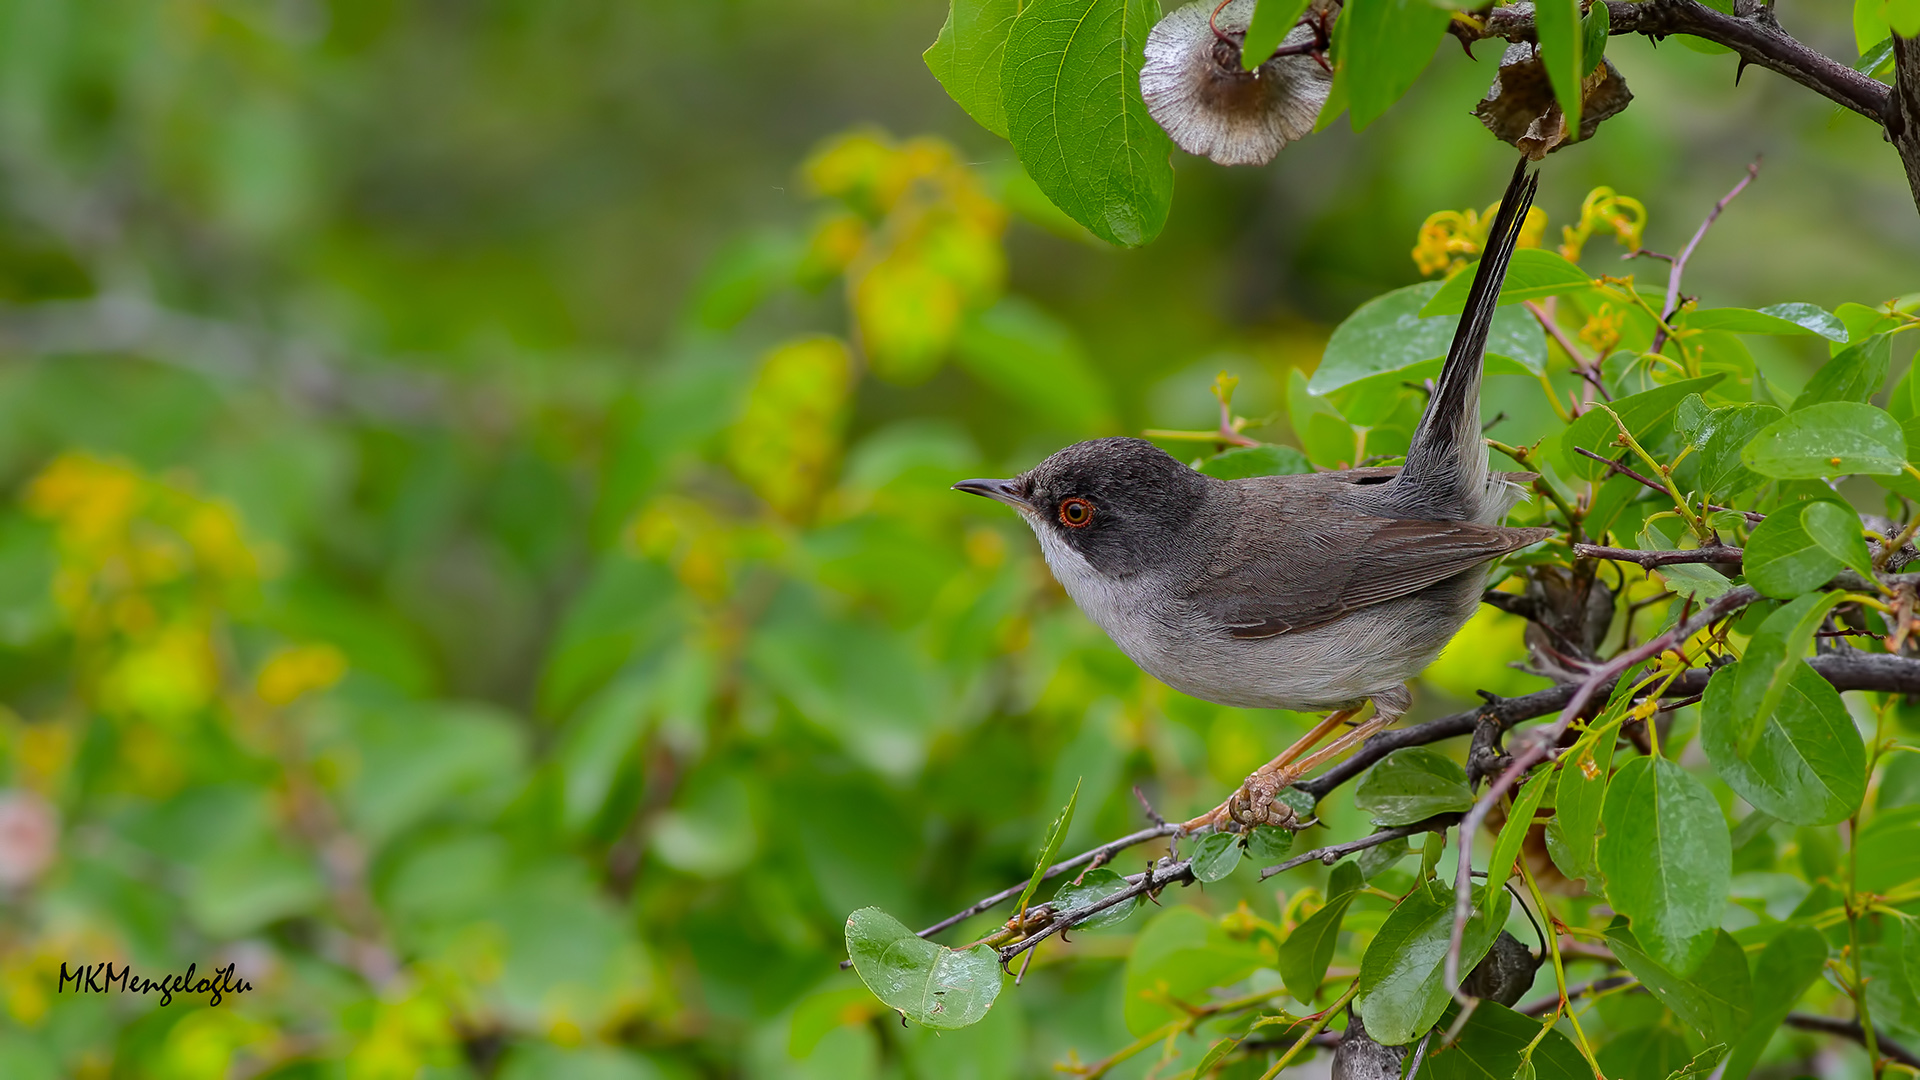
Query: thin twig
1845,669
1102,853
1585,368
1680,261
1850,1029
1547,1005
1543,742
1153,880
1655,485
1651,559
1333,853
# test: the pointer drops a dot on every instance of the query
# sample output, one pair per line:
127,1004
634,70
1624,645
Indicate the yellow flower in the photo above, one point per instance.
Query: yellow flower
1602,330
91,500
292,673
1605,211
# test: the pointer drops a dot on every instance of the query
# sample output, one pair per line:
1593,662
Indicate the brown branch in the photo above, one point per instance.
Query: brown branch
1679,263
1582,366
1846,669
1101,854
1651,559
1903,111
1655,485
1547,1005
1756,38
1851,1029
1754,34
1333,853
1544,740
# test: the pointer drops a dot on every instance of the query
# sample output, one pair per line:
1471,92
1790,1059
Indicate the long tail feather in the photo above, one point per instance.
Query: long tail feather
1446,471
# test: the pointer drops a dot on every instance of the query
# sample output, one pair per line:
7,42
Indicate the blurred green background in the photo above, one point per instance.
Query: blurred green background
454,567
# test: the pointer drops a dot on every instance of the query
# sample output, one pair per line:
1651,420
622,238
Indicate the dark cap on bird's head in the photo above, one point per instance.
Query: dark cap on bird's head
1116,501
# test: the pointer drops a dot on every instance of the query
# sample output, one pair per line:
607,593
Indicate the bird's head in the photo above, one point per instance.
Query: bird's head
1122,505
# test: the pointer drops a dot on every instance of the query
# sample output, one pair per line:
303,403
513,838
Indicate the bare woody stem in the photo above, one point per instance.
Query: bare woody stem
1679,265
1333,853
1652,559
1655,485
1754,34
1543,742
1845,669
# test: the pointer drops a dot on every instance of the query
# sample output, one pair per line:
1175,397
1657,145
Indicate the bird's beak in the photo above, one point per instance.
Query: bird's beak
997,490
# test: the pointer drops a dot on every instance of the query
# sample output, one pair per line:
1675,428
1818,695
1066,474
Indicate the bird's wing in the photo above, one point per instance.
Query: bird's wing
1379,474
1340,565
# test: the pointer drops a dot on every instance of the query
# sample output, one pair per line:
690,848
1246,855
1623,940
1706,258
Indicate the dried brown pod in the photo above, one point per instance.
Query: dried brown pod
1520,108
1198,93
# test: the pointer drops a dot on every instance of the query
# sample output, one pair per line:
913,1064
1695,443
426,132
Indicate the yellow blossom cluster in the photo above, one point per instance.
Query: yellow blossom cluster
1449,239
917,240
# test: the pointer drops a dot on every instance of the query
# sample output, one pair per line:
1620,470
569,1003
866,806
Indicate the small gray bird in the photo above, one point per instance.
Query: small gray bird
1319,591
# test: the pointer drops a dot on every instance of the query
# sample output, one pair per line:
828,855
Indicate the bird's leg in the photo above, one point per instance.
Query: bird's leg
1253,803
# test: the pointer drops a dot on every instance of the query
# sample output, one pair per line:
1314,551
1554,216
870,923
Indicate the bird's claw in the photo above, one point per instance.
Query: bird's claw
1255,803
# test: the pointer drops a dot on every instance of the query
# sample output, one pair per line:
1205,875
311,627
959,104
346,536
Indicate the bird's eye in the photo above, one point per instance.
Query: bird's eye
1076,513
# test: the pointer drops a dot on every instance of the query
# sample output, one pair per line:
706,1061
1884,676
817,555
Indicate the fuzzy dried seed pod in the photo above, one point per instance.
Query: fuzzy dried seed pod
1197,92
1520,108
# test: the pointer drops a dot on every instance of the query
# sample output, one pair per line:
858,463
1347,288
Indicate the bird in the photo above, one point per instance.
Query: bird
1311,592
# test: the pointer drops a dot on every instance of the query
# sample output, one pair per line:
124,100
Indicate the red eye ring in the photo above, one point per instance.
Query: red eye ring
1076,513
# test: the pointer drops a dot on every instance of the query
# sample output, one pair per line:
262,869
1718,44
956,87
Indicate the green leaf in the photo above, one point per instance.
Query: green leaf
1379,858
1180,954
1323,432
1811,317
1862,322
1268,844
1578,797
1715,997
1494,1039
1245,461
1783,560
1412,785
1856,373
1778,319
1888,856
1727,431
1667,859
1387,44
1836,528
1833,438
1702,1064
1402,976
1890,967
930,984
1534,273
1272,21
1772,657
1869,23
966,57
1215,856
1558,25
1048,850
1595,27
1071,85
1514,833
1091,888
1783,971
1903,17
1305,954
1809,766
1596,429
1023,352
1388,334
1693,580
